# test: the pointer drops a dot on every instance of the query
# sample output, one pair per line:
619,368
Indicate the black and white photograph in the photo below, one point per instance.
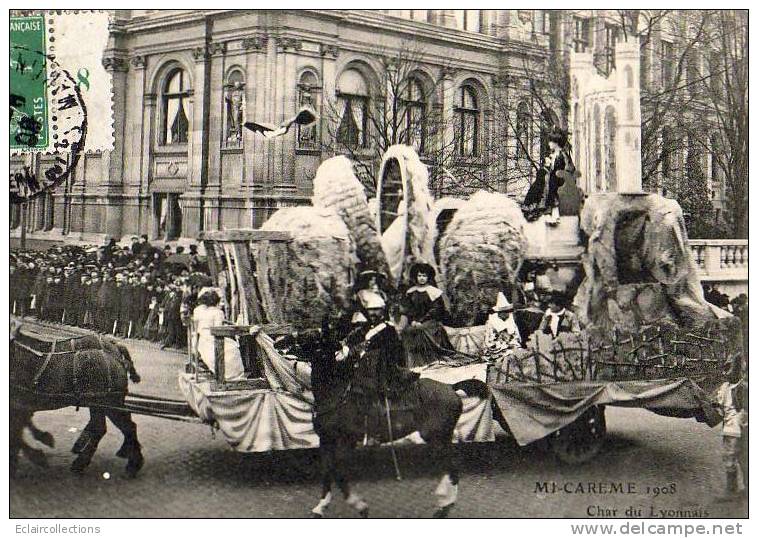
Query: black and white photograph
333,263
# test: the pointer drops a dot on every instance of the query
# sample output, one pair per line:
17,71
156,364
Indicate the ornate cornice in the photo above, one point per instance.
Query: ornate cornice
200,54
216,49
283,44
329,50
115,63
256,42
139,61
448,73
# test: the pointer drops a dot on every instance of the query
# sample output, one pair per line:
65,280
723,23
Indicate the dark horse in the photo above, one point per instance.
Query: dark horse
344,414
86,372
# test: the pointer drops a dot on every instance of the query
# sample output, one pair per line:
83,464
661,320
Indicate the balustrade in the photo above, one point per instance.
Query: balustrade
721,258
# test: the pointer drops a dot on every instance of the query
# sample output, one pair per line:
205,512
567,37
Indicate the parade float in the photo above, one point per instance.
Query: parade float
649,339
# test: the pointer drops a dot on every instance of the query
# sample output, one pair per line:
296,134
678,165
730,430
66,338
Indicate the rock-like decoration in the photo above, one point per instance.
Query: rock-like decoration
638,266
337,188
300,280
480,253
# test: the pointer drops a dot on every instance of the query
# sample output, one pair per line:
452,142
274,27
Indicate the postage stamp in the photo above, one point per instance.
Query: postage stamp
61,95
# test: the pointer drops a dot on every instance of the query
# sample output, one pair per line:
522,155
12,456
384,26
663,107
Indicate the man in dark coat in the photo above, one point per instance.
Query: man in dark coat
377,352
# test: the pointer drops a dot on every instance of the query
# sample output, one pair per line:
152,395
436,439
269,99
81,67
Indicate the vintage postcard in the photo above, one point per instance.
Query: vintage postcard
404,263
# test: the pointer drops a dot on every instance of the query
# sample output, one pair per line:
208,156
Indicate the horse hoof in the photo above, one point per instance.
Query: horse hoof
315,515
37,457
79,465
363,513
442,512
136,378
134,465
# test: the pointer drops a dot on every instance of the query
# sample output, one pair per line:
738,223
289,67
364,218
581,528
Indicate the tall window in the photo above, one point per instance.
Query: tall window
598,148
581,34
644,60
666,151
175,101
715,148
715,73
577,149
309,95
234,98
693,71
469,19
523,140
667,62
413,115
611,37
610,149
352,105
467,121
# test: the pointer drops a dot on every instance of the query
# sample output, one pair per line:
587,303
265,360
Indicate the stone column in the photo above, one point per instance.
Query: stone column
255,85
283,148
113,160
448,101
329,54
133,158
215,118
194,215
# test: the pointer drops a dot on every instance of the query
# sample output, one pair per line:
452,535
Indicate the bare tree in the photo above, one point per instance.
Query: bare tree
404,106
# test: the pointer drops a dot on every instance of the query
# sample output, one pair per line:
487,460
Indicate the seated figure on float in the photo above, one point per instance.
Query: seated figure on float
502,334
425,339
208,314
558,318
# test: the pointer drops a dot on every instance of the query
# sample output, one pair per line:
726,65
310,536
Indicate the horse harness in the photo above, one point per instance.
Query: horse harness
74,366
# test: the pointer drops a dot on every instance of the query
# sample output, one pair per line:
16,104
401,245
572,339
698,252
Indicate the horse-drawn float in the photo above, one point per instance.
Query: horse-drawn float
649,339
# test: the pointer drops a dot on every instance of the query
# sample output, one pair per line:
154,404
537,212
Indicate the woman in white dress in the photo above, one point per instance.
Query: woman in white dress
206,315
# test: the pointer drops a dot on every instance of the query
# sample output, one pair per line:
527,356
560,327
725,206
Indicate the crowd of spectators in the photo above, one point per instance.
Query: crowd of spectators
136,291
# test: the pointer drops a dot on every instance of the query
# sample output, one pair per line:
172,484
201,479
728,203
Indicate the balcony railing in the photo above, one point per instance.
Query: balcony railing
721,259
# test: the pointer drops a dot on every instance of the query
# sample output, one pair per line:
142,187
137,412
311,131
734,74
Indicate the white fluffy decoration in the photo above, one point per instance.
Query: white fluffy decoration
336,187
299,280
482,248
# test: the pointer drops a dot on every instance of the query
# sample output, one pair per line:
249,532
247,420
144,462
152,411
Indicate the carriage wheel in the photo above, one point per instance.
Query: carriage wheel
581,440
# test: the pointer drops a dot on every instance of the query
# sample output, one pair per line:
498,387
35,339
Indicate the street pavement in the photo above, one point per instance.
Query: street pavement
664,466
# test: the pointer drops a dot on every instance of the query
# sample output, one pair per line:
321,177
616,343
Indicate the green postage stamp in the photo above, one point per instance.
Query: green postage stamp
29,126
61,91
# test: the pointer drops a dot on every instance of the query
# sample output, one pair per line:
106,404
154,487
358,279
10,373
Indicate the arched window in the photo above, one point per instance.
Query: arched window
467,121
175,97
610,149
523,140
234,98
309,94
598,149
352,106
413,115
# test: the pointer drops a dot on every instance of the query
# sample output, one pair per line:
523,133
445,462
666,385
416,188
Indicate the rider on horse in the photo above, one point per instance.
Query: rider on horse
375,350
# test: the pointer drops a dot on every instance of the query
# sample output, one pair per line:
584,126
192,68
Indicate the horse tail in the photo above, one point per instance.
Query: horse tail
128,363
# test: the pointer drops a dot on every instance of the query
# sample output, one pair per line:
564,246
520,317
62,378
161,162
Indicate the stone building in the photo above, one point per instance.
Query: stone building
184,81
